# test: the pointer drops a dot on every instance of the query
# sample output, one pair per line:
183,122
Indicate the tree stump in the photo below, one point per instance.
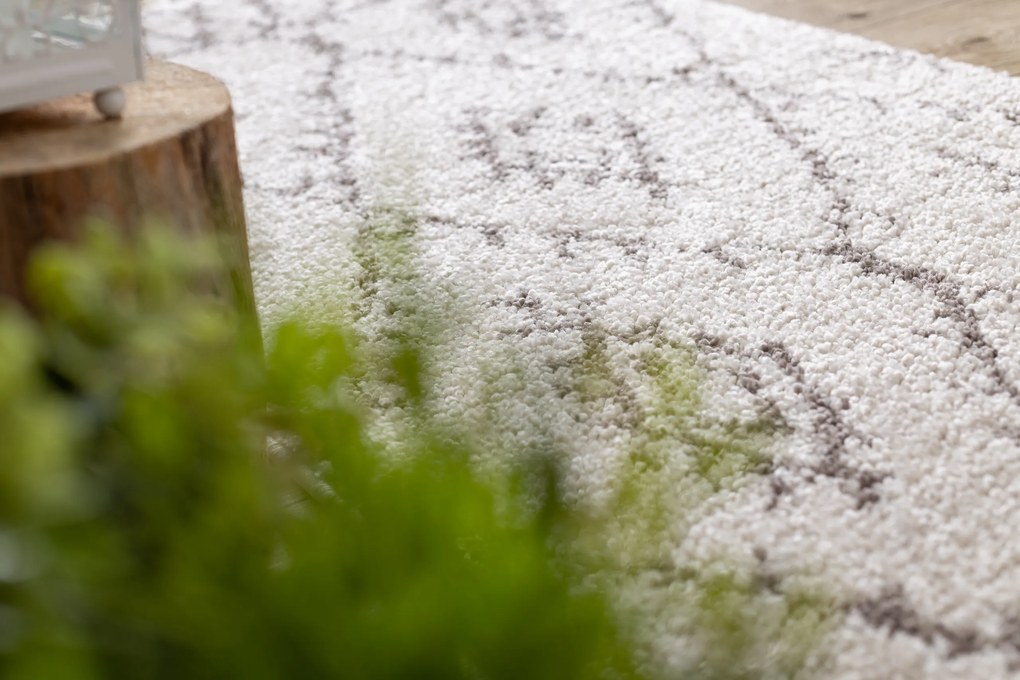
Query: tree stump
171,158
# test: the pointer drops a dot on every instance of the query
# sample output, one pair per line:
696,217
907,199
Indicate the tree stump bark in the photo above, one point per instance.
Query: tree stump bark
171,158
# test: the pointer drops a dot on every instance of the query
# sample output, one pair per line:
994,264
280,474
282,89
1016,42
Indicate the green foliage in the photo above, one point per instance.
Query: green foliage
735,623
745,627
175,506
385,254
718,452
177,500
738,624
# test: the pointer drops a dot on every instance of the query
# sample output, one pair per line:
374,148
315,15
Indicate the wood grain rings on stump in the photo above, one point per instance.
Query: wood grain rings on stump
172,157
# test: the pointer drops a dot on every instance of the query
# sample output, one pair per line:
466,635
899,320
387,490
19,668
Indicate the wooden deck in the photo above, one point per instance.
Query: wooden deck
985,32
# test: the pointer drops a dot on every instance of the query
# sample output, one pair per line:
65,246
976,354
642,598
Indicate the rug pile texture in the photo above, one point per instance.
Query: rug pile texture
823,230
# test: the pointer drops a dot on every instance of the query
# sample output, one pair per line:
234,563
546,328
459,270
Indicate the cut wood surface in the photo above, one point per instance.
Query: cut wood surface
172,157
983,32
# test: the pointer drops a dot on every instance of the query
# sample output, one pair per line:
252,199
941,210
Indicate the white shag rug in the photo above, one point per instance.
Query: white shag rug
831,223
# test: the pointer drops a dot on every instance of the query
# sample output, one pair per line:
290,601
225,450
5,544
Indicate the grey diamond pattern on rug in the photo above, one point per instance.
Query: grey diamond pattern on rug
828,226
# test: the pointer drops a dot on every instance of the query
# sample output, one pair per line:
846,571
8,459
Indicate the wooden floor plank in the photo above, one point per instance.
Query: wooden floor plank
984,32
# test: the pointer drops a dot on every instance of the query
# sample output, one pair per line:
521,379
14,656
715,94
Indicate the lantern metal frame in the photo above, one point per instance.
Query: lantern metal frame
100,67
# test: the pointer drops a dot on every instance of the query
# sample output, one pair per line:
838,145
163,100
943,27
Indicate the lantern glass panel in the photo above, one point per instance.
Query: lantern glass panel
34,28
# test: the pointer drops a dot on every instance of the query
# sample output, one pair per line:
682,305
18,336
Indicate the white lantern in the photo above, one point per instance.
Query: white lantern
53,48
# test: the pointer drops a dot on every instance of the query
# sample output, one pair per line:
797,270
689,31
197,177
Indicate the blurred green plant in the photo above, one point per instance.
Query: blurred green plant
178,500
174,505
736,623
733,622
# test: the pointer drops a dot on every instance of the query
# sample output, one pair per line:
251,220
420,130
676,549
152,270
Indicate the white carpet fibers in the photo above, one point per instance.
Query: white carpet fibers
833,225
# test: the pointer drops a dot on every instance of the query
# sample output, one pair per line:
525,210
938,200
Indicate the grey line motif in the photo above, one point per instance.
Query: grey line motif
639,172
